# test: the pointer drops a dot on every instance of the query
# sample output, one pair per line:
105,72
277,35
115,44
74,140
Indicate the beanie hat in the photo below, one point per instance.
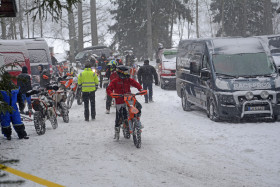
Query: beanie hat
146,61
24,69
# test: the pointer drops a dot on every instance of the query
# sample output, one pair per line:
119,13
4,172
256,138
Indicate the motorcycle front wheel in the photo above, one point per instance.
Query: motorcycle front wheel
39,123
136,134
53,120
70,99
64,112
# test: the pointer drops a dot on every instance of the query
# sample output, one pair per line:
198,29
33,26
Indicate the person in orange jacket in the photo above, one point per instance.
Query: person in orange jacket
44,76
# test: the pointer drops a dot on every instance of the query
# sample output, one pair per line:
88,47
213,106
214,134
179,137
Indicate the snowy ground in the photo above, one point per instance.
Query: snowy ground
178,149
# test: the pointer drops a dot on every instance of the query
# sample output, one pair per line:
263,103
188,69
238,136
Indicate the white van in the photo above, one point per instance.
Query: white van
39,53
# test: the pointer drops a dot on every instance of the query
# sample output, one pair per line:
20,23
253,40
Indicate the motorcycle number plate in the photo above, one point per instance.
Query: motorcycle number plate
103,73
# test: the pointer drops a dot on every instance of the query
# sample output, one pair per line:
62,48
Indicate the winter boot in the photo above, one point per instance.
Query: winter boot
20,129
117,133
7,131
107,111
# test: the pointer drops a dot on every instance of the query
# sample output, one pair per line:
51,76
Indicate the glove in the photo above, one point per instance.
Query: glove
96,87
45,77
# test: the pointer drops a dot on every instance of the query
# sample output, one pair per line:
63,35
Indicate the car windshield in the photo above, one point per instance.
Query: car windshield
247,64
80,55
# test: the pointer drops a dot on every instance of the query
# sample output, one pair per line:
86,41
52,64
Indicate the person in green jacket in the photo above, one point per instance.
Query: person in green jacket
89,82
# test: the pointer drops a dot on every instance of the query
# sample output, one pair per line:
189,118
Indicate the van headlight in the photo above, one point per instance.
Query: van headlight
264,94
227,99
249,95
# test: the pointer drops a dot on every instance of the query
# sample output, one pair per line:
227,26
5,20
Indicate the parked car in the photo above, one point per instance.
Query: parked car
231,78
84,56
167,68
12,51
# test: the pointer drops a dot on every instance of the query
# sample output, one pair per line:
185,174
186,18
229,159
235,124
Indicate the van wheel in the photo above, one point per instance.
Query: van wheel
162,86
185,103
212,111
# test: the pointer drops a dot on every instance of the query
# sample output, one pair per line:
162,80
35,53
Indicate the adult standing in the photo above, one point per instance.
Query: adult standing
44,76
89,82
9,93
24,83
145,75
102,62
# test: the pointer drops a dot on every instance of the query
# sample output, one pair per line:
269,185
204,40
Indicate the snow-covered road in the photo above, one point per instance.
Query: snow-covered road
178,149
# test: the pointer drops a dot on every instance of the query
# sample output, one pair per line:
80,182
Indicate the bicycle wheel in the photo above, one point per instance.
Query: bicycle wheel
39,123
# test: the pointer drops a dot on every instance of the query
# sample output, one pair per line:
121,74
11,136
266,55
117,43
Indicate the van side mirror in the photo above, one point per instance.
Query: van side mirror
205,74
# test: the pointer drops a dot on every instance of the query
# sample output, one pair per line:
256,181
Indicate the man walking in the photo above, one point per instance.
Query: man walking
145,76
89,82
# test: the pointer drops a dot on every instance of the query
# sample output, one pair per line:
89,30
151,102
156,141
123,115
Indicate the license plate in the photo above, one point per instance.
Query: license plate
256,108
103,73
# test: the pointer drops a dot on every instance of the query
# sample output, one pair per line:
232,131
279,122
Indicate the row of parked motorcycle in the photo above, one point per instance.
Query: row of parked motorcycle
54,101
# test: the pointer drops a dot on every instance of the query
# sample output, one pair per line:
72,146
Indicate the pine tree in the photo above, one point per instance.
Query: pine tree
131,23
243,17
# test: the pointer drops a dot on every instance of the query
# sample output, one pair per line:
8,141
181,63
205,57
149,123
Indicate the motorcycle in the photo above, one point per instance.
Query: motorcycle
44,110
132,125
59,98
72,93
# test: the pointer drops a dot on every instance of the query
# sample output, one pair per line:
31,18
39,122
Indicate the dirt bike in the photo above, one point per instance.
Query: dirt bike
44,110
72,93
132,125
59,98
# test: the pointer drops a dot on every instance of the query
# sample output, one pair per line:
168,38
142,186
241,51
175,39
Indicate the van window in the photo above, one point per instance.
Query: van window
196,59
205,62
247,64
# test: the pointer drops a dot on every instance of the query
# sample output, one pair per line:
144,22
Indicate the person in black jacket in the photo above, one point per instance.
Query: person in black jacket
102,62
44,76
145,76
24,83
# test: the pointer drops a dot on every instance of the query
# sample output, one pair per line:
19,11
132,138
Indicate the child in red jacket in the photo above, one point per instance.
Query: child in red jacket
121,85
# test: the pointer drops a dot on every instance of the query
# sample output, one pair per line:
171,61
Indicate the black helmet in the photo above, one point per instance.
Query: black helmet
123,72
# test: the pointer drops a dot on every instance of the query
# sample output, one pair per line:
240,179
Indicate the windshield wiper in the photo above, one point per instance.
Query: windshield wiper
254,76
226,75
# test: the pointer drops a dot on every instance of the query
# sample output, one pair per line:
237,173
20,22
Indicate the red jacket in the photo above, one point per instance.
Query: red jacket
113,75
122,86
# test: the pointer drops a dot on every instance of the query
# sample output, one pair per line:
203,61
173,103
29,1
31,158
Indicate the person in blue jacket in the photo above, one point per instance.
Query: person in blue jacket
9,96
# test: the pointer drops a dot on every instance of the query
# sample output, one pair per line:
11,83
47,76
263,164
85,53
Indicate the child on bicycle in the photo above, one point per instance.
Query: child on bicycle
121,85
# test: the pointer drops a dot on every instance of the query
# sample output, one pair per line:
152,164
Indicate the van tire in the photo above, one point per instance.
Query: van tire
185,103
162,86
212,111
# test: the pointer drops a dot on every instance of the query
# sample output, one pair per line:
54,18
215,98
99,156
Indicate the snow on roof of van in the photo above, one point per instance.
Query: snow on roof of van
13,46
237,45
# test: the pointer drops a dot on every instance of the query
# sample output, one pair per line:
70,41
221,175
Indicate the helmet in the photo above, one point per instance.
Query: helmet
123,72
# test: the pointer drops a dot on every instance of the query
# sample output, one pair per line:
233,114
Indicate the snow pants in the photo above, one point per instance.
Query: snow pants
89,97
14,116
148,86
